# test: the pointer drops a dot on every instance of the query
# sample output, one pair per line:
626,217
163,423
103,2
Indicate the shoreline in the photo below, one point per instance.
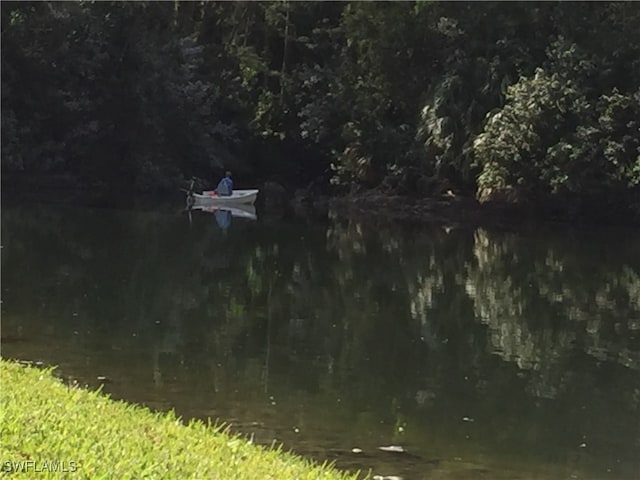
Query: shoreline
447,210
458,211
52,429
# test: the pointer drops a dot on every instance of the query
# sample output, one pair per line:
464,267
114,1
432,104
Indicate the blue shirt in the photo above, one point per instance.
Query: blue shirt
225,187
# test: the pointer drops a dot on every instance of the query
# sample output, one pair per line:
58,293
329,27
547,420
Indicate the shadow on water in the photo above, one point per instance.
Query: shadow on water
482,354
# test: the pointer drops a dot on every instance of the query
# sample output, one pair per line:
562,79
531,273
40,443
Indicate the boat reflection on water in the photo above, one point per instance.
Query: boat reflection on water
224,213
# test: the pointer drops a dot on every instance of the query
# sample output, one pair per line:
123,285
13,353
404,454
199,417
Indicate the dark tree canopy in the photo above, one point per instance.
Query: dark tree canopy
518,101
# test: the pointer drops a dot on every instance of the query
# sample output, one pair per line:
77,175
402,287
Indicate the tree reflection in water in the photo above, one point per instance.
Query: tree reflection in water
507,349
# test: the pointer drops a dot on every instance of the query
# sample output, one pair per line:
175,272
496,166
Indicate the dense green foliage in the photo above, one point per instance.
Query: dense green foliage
520,101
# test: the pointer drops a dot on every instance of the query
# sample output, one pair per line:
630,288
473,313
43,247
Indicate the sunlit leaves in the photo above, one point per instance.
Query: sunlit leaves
557,134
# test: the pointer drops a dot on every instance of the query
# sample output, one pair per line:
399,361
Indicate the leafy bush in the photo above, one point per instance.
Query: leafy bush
560,135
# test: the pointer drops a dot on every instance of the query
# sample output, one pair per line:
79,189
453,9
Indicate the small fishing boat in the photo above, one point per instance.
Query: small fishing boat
210,197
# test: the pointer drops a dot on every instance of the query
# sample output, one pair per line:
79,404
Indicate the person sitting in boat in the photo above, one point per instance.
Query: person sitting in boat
225,187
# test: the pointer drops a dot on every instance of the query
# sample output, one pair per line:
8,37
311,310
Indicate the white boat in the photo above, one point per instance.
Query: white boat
238,197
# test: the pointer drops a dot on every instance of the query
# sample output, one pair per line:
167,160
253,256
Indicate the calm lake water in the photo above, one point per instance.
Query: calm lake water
483,354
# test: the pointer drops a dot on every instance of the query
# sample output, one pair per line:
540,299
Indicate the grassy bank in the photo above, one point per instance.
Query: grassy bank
47,426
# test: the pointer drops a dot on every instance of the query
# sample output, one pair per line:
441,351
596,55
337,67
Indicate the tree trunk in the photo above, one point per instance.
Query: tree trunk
284,53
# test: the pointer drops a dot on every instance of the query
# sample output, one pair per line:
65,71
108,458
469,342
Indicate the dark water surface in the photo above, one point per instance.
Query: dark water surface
483,354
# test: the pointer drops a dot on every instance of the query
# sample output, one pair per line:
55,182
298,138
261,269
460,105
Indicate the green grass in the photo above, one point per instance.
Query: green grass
42,420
